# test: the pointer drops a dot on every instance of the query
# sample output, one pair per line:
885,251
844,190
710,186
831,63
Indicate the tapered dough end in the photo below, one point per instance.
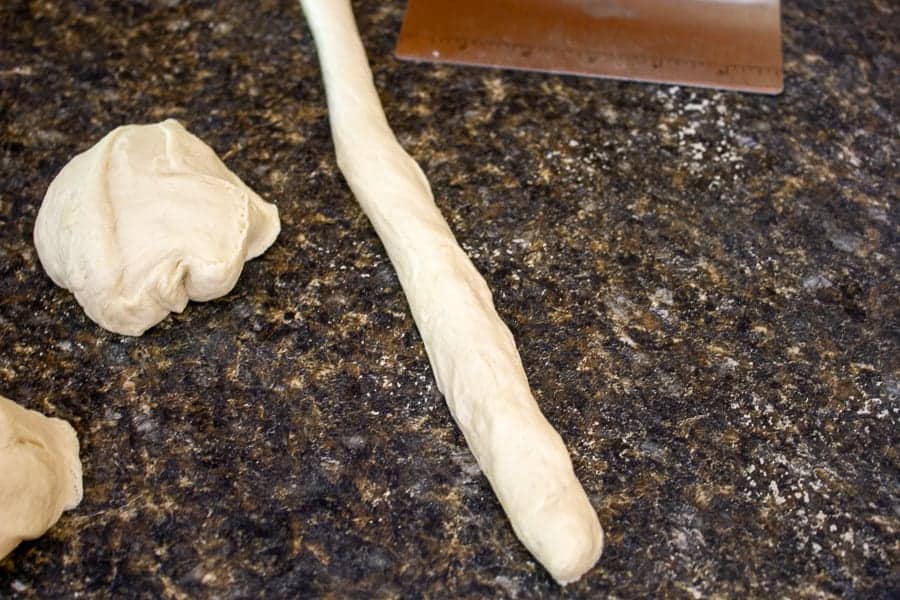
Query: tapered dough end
570,540
531,472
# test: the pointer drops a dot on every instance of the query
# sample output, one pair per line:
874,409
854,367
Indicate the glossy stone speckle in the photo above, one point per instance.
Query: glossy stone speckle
703,286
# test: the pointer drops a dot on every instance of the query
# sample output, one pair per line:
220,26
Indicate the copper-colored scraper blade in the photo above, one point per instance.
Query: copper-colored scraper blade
732,44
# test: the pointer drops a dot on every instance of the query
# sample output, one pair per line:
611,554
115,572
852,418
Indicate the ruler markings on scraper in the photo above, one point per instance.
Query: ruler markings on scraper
713,48
592,55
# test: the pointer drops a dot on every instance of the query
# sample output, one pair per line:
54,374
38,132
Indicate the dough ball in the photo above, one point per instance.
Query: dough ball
40,474
146,220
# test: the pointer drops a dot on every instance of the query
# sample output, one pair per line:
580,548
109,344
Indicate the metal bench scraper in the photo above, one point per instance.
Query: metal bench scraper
729,44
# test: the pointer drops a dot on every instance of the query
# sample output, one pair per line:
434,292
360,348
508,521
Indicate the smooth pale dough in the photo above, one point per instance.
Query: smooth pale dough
145,220
472,352
40,474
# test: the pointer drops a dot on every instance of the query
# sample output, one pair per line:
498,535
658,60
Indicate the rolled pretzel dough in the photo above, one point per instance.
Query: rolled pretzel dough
471,350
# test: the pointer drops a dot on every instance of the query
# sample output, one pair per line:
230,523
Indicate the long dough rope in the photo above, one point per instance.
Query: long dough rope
471,350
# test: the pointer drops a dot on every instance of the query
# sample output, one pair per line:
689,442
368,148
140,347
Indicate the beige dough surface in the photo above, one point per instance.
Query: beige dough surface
40,473
472,352
145,220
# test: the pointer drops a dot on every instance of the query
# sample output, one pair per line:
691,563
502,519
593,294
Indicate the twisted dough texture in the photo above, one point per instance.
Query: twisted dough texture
471,350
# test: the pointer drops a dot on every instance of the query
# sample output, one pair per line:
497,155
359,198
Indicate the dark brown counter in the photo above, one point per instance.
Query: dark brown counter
703,285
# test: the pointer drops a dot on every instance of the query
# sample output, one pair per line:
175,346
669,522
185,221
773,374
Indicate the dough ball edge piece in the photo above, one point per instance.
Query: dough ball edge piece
40,473
144,221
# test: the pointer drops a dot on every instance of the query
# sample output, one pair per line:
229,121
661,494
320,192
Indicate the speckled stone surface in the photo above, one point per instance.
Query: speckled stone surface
703,285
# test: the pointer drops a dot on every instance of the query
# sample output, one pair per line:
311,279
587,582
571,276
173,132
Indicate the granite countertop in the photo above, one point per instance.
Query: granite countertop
703,285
